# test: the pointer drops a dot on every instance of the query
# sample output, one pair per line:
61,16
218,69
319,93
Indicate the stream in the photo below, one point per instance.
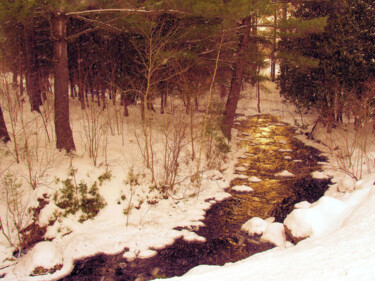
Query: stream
270,148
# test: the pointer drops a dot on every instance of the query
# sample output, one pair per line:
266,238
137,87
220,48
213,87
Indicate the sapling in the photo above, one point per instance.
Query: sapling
17,216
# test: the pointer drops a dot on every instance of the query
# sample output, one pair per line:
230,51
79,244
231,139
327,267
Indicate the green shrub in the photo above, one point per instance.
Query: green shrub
73,198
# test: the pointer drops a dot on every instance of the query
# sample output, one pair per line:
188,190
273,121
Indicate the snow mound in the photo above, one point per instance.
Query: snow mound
254,179
285,150
320,175
284,173
44,254
242,177
324,216
275,234
270,231
321,218
241,169
242,188
302,205
346,183
254,226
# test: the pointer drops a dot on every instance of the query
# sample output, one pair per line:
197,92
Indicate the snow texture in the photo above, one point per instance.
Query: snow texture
284,173
254,179
242,188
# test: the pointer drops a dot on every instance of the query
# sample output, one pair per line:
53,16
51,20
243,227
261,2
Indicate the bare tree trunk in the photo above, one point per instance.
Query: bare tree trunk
81,82
32,81
4,135
236,84
64,134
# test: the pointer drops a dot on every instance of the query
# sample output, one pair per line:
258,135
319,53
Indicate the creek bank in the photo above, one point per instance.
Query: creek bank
270,148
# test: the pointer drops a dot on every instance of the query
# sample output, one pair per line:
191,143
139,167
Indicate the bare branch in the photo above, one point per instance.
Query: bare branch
100,23
126,11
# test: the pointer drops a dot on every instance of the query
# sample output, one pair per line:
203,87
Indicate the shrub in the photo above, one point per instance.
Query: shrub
73,198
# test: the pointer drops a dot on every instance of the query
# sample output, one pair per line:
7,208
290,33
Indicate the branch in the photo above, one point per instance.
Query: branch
100,23
126,11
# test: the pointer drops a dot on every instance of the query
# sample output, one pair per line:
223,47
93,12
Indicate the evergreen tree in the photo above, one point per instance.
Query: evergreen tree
247,12
343,56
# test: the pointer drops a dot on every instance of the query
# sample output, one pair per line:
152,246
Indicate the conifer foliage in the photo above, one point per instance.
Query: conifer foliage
326,69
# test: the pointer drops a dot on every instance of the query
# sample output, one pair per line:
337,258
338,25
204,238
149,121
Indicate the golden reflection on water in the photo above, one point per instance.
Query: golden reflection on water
270,149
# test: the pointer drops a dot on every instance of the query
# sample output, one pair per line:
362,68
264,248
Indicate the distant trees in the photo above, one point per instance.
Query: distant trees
326,69
104,49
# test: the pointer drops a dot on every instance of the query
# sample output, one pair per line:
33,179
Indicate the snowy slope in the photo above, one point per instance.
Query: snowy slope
346,254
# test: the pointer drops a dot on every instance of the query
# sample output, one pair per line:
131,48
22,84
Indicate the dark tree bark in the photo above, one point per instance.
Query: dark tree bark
81,82
236,84
64,135
32,69
4,135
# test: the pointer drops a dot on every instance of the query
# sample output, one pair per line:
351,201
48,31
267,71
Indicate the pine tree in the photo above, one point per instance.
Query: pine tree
248,13
343,54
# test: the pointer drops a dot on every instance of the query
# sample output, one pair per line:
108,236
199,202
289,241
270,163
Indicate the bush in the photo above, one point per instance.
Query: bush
73,198
17,215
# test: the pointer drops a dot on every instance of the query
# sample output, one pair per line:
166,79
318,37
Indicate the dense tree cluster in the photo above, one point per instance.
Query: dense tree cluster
331,69
132,50
139,50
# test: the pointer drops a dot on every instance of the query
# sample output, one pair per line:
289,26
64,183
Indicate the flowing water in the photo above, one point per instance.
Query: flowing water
270,148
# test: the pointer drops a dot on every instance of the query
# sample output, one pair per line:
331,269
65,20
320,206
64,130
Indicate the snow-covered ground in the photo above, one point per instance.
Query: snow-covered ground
340,225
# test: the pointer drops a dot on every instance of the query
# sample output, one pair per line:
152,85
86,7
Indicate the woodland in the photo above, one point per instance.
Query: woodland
142,50
164,78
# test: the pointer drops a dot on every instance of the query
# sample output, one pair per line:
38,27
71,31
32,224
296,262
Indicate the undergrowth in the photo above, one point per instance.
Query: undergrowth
73,197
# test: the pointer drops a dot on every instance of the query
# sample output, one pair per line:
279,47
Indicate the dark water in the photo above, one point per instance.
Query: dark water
262,136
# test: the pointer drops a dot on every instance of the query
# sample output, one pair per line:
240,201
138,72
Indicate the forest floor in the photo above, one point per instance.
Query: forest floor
139,212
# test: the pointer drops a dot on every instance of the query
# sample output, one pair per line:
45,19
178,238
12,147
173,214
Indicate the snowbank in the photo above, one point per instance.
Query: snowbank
340,252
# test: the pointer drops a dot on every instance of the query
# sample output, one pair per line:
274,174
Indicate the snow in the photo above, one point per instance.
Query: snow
44,254
255,226
284,173
254,179
339,228
320,175
321,218
275,234
343,254
285,150
242,188
241,169
242,177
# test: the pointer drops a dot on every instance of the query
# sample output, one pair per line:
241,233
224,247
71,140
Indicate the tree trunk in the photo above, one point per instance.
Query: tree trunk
4,135
236,84
81,82
64,135
32,80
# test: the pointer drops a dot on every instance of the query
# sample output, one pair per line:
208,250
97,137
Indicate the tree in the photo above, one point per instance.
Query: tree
236,84
64,135
248,12
329,66
4,135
